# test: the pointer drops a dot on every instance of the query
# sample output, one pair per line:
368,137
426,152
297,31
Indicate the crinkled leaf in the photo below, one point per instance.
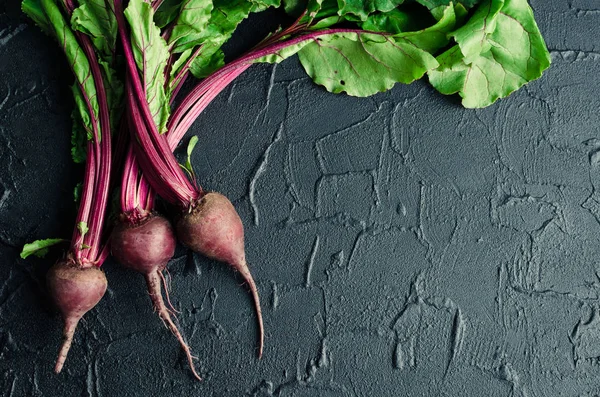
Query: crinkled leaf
261,5
34,10
472,36
362,8
85,91
431,4
435,37
282,54
362,64
224,19
203,66
192,19
167,12
517,54
151,54
39,248
394,21
96,18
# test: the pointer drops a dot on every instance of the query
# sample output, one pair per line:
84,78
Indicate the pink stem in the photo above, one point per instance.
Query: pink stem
100,171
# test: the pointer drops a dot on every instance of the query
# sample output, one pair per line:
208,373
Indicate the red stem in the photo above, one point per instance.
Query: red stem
97,175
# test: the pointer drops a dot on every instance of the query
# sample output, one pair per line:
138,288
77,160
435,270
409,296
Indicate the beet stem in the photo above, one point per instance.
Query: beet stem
68,332
153,281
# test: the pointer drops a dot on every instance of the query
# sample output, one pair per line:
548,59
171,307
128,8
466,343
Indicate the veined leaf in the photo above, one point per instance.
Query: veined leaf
516,55
362,64
85,91
39,248
34,10
203,66
192,19
96,18
225,16
362,8
151,54
167,12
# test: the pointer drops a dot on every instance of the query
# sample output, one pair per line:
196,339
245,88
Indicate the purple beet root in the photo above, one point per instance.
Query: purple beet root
146,247
75,290
213,228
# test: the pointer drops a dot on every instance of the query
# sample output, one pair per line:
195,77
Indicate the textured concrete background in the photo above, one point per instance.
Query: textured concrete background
403,246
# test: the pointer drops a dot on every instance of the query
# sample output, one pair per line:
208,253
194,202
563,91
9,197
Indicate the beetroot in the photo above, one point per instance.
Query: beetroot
213,228
146,246
75,290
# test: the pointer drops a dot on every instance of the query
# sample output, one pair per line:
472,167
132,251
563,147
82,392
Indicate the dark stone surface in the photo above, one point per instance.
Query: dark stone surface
403,246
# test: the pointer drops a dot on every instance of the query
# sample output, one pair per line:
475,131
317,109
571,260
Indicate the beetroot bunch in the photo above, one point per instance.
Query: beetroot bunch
133,62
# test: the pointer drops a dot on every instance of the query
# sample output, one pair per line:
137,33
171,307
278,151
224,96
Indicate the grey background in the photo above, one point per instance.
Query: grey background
403,246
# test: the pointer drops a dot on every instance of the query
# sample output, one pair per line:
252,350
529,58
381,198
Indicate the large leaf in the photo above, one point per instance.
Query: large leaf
167,12
203,66
96,18
472,36
362,8
435,37
192,19
151,54
362,64
34,10
431,4
516,55
225,16
85,90
394,21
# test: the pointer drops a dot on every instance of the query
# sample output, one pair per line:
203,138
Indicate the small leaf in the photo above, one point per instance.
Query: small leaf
83,228
77,192
188,164
39,248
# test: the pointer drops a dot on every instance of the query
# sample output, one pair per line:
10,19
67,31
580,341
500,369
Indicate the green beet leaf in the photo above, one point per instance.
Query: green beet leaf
203,66
39,248
362,8
225,16
96,18
34,10
167,12
85,89
511,55
362,64
192,19
151,54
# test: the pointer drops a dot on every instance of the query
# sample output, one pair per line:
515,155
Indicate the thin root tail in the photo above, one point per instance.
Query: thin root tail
154,288
254,291
68,332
